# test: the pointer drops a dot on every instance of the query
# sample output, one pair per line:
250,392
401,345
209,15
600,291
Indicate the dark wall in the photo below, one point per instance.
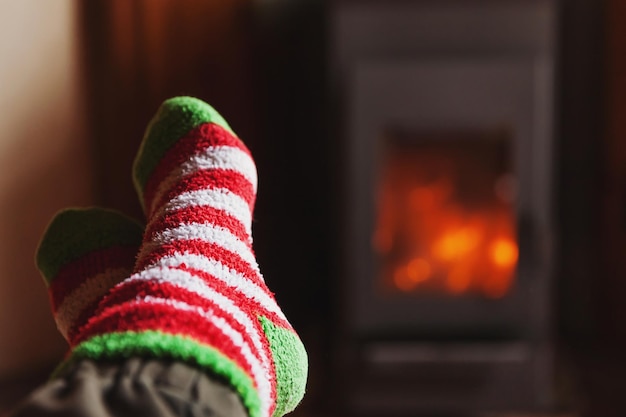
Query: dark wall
581,117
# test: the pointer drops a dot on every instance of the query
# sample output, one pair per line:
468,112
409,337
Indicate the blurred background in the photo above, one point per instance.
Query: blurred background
505,120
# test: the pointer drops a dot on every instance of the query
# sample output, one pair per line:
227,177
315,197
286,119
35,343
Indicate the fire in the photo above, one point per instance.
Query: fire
503,253
407,277
459,279
418,270
431,240
456,243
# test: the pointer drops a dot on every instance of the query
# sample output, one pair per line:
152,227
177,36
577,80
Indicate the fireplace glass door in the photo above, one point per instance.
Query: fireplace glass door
445,223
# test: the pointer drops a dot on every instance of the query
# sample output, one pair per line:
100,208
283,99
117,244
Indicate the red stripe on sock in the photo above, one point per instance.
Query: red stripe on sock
202,215
84,316
194,142
207,179
132,290
73,274
142,316
198,247
249,305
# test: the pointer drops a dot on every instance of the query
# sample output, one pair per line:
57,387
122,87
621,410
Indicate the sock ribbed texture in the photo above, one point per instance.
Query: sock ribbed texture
197,294
82,254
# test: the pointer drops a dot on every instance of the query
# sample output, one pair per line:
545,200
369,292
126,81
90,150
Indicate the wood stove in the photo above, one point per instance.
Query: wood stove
448,111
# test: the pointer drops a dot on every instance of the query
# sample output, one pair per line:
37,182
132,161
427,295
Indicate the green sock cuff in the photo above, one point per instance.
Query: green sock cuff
174,119
291,361
123,345
75,232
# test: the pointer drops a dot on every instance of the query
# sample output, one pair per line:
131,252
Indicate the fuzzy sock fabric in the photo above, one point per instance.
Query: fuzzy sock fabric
197,294
83,254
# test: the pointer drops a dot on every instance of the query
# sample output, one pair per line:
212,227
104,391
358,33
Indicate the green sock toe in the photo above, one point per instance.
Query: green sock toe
174,119
77,231
291,361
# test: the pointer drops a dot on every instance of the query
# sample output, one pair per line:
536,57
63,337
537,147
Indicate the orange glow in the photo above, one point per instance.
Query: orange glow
445,229
504,253
418,270
496,288
423,197
406,278
459,279
402,280
457,243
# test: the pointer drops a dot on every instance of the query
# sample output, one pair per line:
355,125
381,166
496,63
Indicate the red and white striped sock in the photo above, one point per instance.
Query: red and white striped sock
82,255
197,294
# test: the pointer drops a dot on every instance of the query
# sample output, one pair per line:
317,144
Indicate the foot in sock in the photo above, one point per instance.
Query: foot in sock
83,254
197,294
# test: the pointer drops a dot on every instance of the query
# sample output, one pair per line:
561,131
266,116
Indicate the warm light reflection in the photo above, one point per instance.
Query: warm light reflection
453,232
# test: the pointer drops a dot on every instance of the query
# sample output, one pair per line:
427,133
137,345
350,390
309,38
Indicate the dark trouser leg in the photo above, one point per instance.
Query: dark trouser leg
134,388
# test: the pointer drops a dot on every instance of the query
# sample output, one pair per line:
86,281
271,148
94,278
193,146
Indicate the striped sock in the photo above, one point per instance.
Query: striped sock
197,294
83,254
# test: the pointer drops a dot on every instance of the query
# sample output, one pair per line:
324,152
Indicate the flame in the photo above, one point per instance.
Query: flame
459,279
430,241
418,270
503,253
456,243
407,277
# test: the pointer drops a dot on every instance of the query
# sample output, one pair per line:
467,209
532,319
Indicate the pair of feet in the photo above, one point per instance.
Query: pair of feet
187,287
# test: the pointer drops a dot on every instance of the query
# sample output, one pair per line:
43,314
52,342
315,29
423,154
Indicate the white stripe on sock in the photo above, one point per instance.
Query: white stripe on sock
217,198
230,277
214,157
85,294
205,232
